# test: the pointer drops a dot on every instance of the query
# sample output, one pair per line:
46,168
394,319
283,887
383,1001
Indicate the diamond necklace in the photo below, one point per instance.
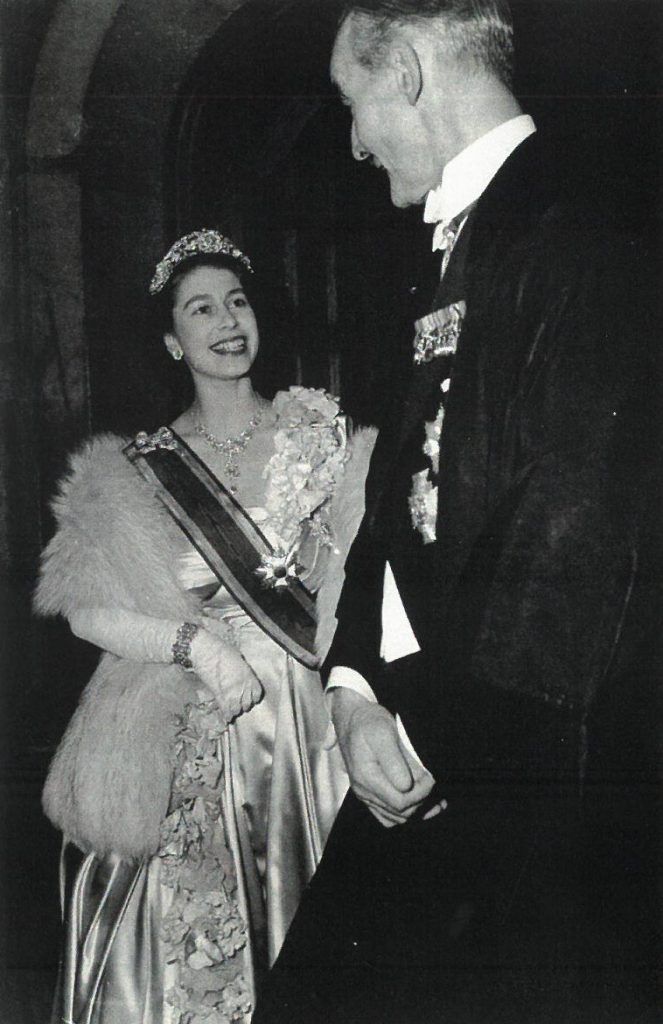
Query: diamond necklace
231,447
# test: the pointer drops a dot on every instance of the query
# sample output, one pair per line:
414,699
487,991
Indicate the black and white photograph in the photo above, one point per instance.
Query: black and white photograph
331,511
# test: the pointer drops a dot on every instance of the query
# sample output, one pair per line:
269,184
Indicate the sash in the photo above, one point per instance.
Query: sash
227,538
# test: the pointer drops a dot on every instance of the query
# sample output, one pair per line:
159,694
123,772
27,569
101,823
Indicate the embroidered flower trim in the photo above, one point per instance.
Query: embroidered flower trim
302,474
423,505
423,496
203,930
432,442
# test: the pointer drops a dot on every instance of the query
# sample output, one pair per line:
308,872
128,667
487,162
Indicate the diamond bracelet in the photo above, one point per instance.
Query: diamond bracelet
181,649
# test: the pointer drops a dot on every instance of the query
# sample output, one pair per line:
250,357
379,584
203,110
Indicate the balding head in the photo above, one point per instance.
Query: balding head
481,30
421,88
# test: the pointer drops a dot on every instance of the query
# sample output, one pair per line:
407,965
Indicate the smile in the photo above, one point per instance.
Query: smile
233,346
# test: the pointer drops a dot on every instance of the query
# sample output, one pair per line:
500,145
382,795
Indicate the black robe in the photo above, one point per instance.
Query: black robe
532,693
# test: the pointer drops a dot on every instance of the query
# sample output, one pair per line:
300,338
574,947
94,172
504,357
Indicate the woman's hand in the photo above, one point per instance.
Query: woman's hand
225,672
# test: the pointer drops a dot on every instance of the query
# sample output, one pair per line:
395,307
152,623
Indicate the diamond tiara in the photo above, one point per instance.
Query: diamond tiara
206,242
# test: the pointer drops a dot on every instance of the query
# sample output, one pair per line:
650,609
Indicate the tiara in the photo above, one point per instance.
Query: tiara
206,242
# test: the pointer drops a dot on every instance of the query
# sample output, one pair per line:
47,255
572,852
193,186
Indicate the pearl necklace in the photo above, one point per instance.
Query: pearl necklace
231,447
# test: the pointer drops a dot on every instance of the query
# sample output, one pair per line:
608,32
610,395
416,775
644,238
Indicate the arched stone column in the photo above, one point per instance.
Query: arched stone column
61,79
54,131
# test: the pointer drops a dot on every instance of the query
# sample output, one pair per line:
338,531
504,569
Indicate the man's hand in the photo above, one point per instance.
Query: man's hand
382,773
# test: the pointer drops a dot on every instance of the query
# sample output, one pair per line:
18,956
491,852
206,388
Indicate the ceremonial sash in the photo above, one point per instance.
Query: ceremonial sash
227,538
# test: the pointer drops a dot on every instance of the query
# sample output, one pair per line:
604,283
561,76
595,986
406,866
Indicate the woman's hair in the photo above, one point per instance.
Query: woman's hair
482,29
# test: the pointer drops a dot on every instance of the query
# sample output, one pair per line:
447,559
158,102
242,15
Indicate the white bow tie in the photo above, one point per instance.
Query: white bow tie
444,235
446,227
448,220
435,213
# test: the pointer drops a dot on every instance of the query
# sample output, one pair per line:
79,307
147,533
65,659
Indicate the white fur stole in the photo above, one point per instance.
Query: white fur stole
108,787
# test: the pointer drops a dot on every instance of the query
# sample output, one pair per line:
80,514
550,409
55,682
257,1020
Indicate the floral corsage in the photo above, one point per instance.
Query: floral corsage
311,451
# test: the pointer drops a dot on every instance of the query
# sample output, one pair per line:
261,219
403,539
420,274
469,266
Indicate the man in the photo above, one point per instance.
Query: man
495,618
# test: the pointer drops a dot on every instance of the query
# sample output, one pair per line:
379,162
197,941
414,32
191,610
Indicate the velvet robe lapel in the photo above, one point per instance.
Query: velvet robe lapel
517,194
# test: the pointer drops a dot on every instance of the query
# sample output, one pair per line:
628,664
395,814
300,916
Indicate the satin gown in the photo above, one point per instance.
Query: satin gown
184,937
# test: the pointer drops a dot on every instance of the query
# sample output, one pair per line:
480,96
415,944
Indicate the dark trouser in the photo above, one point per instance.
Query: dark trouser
471,918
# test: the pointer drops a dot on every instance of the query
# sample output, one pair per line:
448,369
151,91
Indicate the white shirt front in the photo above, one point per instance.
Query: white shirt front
466,177
464,180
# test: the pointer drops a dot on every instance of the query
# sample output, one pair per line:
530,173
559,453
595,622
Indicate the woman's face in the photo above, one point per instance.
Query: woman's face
214,324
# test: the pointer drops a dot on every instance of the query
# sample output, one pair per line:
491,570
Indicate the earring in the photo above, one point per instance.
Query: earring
177,353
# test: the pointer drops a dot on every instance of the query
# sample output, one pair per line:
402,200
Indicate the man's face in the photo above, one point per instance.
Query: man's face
385,127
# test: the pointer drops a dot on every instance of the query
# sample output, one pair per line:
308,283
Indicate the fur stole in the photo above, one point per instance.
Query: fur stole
108,787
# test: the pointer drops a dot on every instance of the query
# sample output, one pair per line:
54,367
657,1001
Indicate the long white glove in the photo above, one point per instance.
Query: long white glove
142,638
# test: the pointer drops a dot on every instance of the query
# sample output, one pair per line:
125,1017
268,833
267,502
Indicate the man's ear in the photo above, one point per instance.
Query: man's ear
408,69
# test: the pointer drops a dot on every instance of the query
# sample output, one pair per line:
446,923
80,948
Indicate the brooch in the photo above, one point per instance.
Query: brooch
278,569
437,334
162,438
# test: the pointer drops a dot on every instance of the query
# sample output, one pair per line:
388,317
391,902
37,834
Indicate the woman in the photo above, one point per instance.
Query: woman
197,781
